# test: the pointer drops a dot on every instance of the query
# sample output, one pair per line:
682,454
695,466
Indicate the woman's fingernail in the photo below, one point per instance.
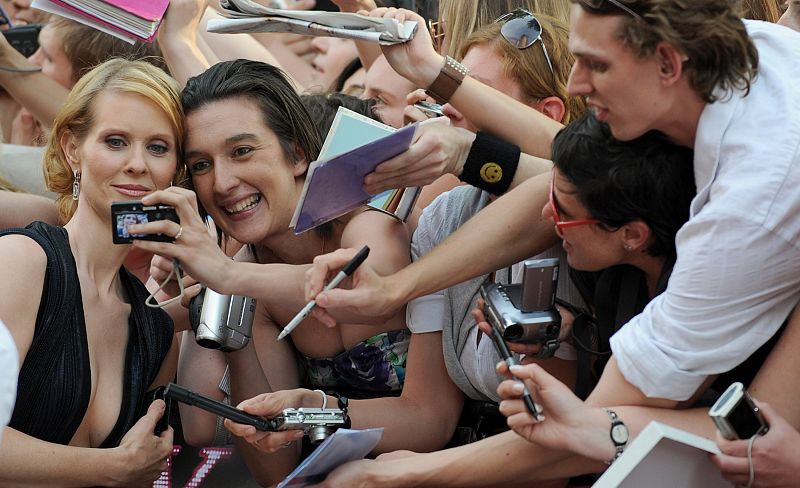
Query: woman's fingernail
518,388
516,368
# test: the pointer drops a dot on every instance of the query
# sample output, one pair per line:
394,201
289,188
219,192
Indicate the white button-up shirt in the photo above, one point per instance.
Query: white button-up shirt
737,276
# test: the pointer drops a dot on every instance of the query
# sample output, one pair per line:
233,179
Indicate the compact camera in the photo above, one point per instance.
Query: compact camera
223,322
526,312
736,414
124,214
317,423
23,38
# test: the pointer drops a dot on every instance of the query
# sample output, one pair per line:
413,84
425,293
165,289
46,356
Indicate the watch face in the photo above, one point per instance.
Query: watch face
619,433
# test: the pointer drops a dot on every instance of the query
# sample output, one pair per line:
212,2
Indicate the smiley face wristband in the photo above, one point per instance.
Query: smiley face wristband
491,164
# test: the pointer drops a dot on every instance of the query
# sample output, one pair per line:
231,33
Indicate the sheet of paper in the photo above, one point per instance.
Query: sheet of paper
342,446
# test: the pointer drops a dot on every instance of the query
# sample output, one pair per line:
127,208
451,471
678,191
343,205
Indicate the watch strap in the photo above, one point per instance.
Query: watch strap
448,81
616,424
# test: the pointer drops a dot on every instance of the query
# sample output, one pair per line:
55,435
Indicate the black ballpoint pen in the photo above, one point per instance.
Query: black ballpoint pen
344,273
505,353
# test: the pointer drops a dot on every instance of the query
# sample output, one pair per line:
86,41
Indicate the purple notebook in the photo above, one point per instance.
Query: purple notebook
335,186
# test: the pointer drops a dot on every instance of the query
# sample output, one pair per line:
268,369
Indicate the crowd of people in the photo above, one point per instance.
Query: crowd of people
649,145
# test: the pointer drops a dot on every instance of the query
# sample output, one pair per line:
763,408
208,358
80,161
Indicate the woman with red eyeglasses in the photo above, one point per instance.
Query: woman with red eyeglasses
617,207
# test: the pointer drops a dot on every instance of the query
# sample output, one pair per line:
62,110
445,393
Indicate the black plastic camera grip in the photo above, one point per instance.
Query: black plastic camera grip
188,397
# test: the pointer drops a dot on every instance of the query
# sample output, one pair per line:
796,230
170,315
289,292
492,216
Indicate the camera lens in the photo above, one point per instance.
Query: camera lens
318,433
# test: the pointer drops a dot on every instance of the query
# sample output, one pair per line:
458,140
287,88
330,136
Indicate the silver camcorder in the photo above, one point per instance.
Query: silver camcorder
316,423
223,322
526,312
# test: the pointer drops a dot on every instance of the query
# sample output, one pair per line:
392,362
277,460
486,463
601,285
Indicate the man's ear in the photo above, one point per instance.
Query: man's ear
69,145
636,236
670,62
300,163
552,107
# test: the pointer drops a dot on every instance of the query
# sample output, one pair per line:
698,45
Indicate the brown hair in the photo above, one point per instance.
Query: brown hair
710,33
529,66
462,17
86,47
76,116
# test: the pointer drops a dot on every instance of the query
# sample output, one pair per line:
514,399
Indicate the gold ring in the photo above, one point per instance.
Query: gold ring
179,234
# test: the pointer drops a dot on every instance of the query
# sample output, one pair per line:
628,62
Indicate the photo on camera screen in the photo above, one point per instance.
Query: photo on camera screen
130,218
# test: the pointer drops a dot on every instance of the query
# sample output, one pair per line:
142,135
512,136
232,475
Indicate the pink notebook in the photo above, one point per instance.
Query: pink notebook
151,10
136,10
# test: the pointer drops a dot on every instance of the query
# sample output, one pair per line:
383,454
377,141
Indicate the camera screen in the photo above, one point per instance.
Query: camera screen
130,218
744,420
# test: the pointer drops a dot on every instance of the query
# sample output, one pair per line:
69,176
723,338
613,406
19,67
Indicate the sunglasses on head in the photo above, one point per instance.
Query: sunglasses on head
599,3
522,29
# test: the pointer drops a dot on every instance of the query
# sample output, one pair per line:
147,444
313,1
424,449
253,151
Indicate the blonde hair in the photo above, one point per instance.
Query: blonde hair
76,117
529,66
462,17
767,10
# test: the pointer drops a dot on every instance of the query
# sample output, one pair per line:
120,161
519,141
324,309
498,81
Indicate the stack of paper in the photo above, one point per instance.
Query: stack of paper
127,19
246,16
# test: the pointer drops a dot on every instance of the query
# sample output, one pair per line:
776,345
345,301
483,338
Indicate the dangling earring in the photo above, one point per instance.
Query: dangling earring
76,184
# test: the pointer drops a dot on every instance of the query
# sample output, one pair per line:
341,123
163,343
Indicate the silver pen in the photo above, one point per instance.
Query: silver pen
341,275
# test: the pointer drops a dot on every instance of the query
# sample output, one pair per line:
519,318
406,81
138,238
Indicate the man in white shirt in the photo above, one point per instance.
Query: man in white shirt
695,72
8,376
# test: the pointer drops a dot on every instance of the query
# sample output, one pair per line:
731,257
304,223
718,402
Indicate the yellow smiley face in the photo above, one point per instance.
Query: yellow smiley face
491,172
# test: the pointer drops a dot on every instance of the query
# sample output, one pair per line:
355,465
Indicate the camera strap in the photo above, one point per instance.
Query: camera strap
176,272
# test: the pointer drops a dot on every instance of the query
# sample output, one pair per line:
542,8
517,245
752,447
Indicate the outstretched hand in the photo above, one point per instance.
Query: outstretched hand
270,405
568,423
415,60
195,249
370,295
437,149
775,463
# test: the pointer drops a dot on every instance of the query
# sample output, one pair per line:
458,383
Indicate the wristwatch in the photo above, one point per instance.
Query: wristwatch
448,81
618,433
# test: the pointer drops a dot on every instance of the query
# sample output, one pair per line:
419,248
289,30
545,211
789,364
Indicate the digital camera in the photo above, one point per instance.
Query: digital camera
223,322
736,415
316,423
124,214
526,312
23,38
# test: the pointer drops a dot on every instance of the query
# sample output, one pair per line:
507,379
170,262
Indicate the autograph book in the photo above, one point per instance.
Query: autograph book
334,183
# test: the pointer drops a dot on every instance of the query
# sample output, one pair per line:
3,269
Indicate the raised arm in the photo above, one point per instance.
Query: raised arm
487,108
27,87
505,232
179,41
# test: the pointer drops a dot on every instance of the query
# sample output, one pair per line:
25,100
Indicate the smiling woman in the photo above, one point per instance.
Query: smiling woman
250,140
93,350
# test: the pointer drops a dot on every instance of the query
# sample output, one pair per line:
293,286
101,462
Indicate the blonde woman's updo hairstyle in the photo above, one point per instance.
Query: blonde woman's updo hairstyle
76,116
